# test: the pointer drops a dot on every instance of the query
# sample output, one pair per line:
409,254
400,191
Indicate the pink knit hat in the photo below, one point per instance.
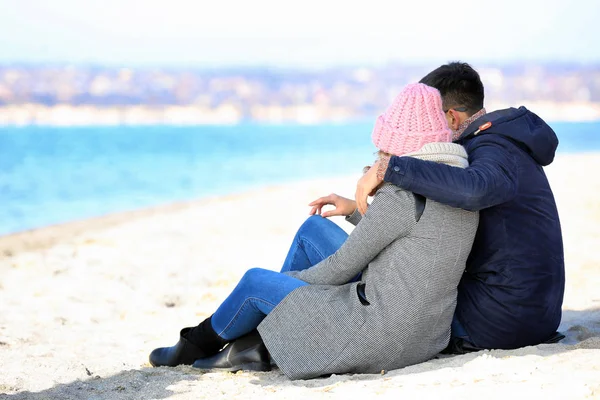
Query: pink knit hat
414,119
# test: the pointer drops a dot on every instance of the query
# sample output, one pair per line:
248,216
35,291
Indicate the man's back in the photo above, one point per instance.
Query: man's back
511,293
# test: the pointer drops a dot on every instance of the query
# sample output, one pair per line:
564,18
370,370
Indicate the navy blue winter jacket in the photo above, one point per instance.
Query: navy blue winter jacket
512,290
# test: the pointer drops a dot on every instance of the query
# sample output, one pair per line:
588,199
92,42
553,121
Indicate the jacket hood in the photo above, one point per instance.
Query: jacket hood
522,126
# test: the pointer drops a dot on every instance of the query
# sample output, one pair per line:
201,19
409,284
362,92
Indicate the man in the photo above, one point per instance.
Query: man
512,290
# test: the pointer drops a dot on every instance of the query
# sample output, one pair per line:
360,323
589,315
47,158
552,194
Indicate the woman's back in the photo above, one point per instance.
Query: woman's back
416,277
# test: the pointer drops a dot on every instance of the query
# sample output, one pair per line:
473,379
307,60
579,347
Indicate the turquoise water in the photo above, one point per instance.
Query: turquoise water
54,175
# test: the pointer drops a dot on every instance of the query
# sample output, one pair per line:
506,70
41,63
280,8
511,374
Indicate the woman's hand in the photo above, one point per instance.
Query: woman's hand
343,206
366,186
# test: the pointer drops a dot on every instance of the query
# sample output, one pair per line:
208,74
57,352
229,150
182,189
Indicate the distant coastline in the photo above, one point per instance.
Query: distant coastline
113,115
76,95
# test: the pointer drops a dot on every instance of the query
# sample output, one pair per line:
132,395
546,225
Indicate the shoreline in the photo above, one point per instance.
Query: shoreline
43,237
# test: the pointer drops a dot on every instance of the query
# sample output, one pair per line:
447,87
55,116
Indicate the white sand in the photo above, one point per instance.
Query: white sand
82,305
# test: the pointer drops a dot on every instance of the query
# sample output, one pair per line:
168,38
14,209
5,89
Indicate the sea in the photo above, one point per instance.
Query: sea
52,175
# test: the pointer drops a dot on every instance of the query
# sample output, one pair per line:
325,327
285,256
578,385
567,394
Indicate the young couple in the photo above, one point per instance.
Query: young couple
460,250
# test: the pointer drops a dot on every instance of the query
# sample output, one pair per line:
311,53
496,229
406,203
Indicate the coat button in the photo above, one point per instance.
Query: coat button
397,169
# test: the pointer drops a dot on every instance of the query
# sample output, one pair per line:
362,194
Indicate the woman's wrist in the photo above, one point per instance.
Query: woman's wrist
351,208
382,167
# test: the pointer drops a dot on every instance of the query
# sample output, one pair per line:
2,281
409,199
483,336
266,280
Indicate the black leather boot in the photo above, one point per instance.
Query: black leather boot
245,353
184,352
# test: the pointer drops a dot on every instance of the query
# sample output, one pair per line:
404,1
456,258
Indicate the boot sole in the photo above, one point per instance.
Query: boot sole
254,366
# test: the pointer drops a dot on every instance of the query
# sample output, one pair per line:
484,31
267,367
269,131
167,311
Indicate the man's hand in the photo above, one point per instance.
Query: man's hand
343,206
366,186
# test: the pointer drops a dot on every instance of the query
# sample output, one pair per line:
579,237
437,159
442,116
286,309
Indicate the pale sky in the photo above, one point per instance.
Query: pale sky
306,33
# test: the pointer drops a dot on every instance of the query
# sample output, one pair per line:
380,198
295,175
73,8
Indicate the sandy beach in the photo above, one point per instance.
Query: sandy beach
83,304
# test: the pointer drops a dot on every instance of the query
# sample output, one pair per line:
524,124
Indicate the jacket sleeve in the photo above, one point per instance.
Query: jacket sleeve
490,179
354,218
391,215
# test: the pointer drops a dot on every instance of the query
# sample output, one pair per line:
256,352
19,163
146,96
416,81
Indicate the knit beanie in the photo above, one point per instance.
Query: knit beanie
414,118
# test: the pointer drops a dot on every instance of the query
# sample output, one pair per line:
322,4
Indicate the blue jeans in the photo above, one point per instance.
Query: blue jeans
260,290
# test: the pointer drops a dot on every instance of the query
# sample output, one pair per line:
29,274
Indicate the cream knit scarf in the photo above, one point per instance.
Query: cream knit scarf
446,153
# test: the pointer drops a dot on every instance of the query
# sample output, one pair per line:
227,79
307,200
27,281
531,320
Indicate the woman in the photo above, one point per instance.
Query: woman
380,299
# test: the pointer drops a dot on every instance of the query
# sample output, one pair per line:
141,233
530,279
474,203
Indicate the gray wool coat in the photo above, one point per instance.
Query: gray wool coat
411,268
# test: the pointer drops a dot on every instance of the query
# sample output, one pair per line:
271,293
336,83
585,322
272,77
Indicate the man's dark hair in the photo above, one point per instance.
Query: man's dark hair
459,85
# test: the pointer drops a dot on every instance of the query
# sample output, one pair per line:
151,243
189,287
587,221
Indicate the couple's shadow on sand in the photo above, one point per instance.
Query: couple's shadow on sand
581,328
